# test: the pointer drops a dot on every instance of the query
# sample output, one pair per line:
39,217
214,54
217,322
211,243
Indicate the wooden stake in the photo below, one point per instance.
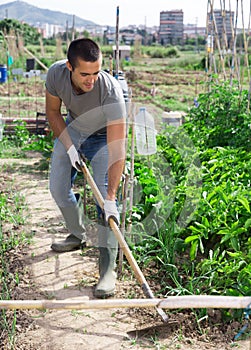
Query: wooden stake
126,182
117,43
36,59
131,179
174,302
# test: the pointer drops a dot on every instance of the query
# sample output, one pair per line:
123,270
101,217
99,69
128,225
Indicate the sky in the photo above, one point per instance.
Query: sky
137,12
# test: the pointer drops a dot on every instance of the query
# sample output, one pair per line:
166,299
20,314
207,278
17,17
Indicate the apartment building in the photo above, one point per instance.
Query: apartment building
224,22
171,27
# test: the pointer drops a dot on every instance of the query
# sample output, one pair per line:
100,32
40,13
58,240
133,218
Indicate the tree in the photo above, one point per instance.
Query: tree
29,34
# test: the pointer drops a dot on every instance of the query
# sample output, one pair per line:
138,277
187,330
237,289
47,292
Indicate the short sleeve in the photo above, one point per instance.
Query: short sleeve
50,81
114,104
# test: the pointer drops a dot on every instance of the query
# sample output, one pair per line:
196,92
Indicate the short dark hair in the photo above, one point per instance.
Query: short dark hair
83,48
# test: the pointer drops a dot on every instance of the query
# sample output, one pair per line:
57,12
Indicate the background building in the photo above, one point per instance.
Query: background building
224,22
171,27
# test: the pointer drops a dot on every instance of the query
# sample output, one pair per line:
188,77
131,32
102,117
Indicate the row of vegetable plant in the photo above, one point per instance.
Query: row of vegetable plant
198,186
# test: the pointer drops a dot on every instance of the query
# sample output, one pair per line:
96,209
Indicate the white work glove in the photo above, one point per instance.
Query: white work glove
111,211
74,157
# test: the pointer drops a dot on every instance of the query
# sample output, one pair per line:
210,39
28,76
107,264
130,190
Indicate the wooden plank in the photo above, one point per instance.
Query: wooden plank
38,125
173,302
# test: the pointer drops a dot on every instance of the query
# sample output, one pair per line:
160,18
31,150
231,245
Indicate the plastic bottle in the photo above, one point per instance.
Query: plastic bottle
145,132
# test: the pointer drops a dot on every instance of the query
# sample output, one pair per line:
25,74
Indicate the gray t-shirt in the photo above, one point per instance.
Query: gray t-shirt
89,112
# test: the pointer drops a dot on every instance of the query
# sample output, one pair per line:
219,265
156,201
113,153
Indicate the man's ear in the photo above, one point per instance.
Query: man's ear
69,66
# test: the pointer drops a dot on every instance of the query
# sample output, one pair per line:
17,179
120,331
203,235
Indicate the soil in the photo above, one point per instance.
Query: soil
46,275
26,98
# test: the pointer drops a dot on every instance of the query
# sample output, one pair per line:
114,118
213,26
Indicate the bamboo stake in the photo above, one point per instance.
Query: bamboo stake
245,41
212,57
249,91
233,38
38,61
73,28
124,188
67,34
127,179
234,56
173,302
208,46
225,38
131,178
218,42
123,219
117,42
110,65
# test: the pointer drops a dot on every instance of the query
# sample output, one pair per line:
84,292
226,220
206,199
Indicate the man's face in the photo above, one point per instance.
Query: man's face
85,74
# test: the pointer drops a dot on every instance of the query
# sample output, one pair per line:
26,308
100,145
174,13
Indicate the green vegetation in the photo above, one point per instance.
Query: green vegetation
194,198
191,212
13,214
20,30
209,253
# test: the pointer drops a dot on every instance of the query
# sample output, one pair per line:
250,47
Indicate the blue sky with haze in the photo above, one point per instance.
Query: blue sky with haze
138,11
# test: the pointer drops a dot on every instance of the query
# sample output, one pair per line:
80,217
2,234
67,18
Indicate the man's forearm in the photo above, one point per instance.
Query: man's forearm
56,120
114,177
117,155
58,126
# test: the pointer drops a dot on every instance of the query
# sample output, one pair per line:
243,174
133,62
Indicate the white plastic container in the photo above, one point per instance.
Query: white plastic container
145,132
173,118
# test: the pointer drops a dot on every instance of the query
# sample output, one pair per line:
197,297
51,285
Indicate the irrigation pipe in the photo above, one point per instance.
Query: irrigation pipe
173,302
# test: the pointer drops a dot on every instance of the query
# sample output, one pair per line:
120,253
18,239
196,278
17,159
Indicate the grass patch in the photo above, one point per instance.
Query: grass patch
12,238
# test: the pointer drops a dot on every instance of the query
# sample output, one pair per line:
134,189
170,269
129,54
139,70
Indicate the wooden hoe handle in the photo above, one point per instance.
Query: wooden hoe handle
119,236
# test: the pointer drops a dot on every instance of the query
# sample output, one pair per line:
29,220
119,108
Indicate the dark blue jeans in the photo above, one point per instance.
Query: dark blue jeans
94,148
89,149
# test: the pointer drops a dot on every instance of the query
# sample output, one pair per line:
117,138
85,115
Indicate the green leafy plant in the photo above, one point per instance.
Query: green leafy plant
20,135
211,254
221,118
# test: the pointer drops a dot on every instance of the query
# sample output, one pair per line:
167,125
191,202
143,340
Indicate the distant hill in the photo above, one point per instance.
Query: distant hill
33,15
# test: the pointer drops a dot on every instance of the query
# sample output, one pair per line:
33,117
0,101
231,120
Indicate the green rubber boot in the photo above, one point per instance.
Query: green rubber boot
69,244
108,250
74,220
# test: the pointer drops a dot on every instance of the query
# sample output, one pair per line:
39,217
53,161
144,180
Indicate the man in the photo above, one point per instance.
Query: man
95,124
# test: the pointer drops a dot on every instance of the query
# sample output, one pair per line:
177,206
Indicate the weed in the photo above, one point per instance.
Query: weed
12,208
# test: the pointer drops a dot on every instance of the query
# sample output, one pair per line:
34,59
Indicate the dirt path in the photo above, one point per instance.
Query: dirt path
73,276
